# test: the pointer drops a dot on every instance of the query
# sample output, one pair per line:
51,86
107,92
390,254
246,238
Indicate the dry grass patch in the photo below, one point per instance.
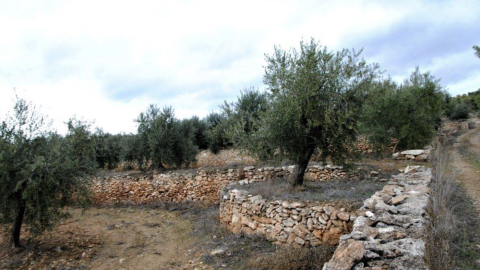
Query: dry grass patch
346,192
453,232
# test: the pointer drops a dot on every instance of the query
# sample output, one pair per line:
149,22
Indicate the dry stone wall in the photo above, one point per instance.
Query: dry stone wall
200,185
284,222
417,154
390,226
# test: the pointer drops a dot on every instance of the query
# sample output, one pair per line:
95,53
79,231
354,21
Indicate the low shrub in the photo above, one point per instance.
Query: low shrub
459,112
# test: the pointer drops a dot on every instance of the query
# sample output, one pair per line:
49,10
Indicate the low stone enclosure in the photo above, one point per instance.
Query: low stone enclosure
200,185
387,230
385,233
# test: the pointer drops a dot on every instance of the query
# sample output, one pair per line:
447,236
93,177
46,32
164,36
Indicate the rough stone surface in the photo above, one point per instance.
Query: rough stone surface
201,185
348,254
388,231
285,222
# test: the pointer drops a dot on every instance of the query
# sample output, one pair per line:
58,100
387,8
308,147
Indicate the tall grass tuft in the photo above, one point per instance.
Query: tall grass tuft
441,226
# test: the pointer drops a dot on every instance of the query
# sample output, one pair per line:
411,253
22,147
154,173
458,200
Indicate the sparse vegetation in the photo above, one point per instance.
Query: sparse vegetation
454,227
349,193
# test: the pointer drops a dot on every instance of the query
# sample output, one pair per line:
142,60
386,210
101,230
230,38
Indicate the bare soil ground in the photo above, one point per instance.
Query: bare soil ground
175,236
109,238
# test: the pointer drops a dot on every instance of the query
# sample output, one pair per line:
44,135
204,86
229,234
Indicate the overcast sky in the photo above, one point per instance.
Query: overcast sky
107,60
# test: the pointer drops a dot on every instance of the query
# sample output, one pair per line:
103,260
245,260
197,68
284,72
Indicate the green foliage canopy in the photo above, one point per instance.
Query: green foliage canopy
164,140
409,112
40,171
314,100
217,124
244,116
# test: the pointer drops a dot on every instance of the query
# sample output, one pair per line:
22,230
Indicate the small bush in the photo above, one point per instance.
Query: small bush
459,112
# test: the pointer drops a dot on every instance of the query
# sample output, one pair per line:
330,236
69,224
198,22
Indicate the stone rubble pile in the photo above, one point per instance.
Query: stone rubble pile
363,145
418,155
284,222
202,185
390,226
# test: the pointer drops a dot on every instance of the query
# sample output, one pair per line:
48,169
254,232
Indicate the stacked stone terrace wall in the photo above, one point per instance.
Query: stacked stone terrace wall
284,222
389,230
200,185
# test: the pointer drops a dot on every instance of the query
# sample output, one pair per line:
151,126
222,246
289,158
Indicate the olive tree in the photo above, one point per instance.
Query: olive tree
40,171
409,112
216,133
164,140
108,149
315,96
244,115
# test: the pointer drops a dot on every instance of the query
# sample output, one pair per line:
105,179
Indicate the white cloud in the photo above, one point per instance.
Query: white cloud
107,60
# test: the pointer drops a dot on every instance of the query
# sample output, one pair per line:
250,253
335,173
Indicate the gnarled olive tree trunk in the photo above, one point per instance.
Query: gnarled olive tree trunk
17,223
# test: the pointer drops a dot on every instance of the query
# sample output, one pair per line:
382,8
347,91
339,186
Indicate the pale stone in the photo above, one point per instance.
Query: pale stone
399,199
346,256
321,220
328,209
299,241
422,157
370,214
413,152
297,205
218,251
343,216
288,223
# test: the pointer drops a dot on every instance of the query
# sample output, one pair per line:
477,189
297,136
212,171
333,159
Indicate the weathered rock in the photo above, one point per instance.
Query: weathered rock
218,251
413,152
343,216
399,199
346,256
288,222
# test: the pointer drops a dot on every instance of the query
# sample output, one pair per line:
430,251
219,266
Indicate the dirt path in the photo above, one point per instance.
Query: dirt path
464,157
110,238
